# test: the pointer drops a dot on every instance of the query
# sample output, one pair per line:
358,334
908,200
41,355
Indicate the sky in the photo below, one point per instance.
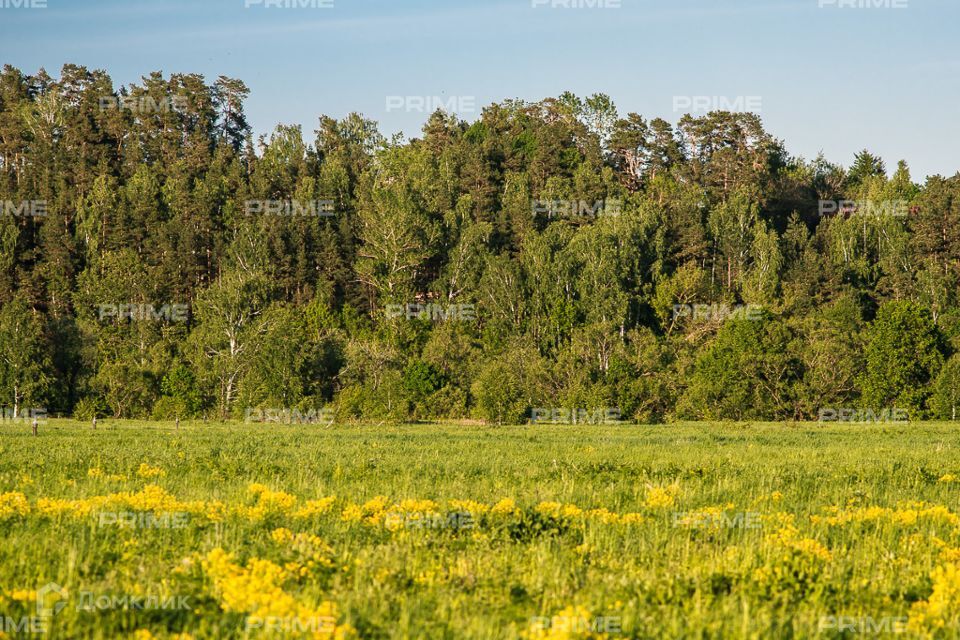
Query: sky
884,75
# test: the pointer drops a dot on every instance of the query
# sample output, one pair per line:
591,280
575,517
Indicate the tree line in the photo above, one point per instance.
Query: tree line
158,261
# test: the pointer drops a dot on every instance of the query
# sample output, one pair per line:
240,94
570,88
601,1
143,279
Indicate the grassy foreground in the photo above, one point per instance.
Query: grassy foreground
693,531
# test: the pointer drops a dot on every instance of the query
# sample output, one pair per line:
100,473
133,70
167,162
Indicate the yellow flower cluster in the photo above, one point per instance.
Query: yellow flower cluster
793,561
908,513
282,535
941,610
661,497
947,554
146,471
571,512
415,506
789,538
150,498
380,511
13,503
267,502
97,472
314,551
256,589
557,510
505,508
469,506
372,511
315,507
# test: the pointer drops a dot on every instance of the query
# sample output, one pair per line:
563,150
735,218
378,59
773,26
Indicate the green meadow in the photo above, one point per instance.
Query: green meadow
222,530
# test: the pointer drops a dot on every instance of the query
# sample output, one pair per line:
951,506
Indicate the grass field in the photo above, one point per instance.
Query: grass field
692,531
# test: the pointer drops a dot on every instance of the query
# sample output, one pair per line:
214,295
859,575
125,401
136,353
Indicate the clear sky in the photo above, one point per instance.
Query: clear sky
825,78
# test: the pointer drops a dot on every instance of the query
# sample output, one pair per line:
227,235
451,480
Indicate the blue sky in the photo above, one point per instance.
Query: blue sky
828,78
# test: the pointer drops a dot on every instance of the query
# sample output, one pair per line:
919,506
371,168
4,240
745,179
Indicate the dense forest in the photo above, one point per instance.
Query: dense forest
156,261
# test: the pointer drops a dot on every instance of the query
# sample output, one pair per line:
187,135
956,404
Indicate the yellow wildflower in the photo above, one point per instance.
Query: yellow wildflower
469,506
506,507
315,507
661,497
13,503
146,471
939,612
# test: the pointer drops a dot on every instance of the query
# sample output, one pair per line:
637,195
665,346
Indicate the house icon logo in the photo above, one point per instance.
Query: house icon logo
51,599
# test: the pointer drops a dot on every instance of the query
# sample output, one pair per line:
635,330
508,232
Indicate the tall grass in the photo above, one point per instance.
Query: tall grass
764,560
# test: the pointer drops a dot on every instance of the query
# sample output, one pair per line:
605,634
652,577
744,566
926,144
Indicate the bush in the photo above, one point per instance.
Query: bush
88,408
903,356
499,396
945,402
448,402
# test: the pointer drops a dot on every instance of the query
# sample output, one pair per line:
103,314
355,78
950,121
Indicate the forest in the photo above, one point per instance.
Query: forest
551,258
